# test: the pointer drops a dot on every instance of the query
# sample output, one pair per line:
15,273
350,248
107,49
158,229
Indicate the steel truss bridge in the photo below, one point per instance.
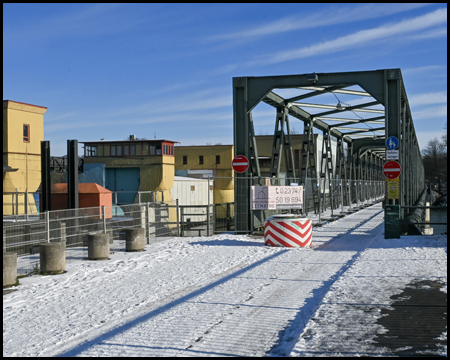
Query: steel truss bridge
377,109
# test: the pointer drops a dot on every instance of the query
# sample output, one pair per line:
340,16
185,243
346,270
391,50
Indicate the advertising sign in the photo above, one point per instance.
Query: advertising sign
276,197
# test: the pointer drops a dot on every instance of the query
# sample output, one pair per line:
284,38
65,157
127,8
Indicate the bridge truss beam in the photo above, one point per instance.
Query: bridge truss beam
365,145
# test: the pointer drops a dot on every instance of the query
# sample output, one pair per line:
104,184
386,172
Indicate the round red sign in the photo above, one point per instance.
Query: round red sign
240,164
392,170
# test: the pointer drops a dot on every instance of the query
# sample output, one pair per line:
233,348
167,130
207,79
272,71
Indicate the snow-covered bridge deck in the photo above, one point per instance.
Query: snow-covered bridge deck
228,295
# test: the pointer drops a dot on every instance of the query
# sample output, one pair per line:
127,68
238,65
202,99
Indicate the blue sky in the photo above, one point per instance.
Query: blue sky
165,70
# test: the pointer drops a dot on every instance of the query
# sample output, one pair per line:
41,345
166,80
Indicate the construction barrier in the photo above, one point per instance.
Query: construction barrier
288,230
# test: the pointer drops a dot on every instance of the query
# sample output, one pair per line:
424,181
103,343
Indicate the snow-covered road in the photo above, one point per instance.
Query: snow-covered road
226,295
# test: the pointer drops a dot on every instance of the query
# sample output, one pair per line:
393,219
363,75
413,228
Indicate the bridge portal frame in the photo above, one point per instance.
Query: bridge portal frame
365,155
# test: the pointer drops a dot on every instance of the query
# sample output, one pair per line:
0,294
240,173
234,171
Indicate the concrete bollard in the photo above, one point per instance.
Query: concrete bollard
135,239
98,246
53,257
9,268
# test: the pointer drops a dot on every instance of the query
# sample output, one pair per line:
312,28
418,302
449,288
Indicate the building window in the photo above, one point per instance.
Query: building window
132,150
152,150
158,149
217,159
200,159
91,150
126,150
119,150
192,188
26,133
113,150
184,159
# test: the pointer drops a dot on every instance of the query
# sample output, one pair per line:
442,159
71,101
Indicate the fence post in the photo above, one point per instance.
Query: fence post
17,202
139,197
331,196
181,220
318,184
26,203
115,196
178,217
47,224
147,221
104,219
207,213
228,217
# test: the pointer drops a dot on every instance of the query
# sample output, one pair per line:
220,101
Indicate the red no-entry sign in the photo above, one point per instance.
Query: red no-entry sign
240,164
392,170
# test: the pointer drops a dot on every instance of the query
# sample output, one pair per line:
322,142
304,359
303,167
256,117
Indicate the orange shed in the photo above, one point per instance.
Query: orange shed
90,195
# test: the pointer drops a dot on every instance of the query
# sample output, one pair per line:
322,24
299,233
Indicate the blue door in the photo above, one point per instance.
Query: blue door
123,179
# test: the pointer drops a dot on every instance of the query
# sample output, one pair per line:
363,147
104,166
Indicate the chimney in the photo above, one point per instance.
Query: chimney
132,137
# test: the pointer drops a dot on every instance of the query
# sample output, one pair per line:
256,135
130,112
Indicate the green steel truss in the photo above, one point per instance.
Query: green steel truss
364,137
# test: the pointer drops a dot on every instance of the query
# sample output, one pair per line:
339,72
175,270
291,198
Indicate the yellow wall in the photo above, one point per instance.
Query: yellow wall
223,188
156,172
19,154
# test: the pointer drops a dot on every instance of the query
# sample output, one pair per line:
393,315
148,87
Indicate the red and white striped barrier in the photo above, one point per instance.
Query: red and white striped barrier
287,231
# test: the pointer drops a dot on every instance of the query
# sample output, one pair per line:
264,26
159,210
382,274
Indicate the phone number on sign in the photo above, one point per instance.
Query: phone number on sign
288,200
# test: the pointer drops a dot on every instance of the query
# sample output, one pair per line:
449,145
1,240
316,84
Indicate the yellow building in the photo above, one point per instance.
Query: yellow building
213,160
132,165
23,131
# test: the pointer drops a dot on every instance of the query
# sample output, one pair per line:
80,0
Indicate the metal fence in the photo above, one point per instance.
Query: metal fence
322,199
72,226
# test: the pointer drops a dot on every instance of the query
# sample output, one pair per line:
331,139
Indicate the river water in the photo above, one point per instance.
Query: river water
438,216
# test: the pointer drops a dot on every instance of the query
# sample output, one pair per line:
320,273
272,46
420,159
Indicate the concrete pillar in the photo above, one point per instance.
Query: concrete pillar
53,257
98,246
135,239
9,268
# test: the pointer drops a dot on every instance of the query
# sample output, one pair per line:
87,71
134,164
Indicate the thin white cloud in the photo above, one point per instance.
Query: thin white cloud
423,69
429,113
363,37
428,98
89,20
59,117
337,14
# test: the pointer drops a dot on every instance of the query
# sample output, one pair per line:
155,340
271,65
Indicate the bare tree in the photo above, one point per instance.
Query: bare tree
434,158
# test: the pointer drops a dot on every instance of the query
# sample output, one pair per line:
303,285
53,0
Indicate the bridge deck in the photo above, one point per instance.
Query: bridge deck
229,295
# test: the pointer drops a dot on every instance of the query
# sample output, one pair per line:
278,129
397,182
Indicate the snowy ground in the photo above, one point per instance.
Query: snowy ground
225,295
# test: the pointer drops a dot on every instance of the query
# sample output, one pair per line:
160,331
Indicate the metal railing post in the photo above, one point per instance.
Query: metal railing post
104,219
17,202
181,220
178,217
26,203
207,214
47,224
318,184
147,223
